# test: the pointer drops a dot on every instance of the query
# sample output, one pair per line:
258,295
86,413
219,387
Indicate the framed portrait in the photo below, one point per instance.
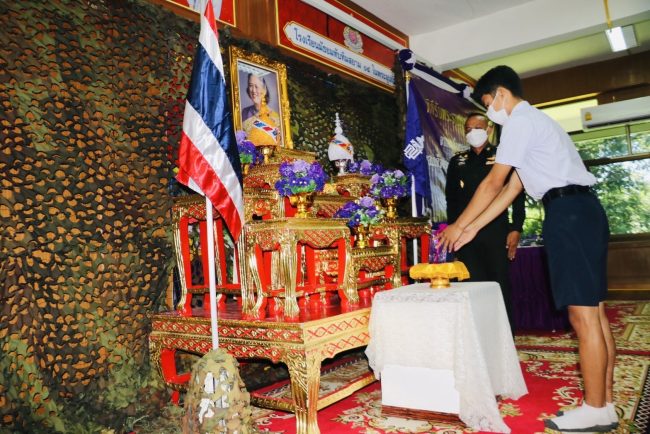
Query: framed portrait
259,93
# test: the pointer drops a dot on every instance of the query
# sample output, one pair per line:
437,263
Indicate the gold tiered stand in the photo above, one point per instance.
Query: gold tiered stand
439,274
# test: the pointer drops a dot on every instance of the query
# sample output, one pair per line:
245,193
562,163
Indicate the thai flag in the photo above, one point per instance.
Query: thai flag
208,158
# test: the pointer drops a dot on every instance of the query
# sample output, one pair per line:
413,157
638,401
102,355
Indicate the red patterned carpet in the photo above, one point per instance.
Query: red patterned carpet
549,363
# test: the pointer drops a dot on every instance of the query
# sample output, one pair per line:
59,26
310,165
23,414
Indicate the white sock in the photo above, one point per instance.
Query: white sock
611,412
584,416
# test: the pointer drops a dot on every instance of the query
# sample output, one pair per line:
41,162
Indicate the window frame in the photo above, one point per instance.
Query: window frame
628,130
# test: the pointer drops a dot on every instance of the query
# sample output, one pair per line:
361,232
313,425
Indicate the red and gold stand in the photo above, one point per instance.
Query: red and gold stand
288,291
276,251
301,345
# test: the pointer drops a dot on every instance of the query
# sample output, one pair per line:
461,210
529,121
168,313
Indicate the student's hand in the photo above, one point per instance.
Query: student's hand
465,237
448,237
512,241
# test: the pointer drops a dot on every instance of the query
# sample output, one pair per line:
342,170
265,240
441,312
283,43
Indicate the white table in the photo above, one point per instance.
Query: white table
463,329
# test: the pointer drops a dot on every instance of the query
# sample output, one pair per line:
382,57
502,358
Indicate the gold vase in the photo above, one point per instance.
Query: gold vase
244,168
361,236
267,152
390,203
302,201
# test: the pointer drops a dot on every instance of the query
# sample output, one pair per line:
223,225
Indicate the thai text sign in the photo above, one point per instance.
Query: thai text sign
319,45
304,29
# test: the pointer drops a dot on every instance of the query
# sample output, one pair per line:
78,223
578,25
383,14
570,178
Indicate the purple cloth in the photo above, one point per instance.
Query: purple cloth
532,300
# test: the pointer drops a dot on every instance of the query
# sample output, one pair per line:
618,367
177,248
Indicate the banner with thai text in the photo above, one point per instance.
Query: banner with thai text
442,119
309,31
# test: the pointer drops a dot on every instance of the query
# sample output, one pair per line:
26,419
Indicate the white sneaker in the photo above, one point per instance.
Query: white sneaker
611,412
582,419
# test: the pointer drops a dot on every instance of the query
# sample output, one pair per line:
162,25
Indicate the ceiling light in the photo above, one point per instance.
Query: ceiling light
621,38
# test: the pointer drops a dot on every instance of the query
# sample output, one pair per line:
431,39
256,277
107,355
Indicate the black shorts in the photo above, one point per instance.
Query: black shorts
576,234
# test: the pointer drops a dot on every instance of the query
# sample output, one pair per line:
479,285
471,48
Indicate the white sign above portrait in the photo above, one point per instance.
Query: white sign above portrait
320,45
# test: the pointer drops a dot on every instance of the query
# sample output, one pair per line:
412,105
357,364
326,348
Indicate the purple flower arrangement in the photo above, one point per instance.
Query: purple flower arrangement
364,167
390,183
300,177
364,211
248,152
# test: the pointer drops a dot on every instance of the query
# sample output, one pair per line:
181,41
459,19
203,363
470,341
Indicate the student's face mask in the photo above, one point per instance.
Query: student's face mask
498,117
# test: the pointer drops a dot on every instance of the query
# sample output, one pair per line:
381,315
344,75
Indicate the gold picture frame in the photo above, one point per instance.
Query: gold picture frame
270,75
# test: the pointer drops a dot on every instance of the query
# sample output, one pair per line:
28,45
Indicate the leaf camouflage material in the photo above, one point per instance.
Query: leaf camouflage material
92,97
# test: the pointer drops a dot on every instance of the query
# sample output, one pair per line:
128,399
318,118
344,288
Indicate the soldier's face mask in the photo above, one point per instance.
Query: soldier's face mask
477,137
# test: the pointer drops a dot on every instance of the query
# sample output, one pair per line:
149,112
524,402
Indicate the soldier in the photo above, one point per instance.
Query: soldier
486,257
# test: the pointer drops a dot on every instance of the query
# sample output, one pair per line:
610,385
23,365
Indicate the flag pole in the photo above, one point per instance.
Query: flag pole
414,213
211,274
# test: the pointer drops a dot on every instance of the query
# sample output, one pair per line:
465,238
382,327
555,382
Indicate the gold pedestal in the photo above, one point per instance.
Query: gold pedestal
440,282
244,168
302,201
390,203
267,152
361,236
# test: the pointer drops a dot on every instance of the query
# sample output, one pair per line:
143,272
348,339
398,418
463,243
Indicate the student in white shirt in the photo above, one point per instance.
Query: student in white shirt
575,231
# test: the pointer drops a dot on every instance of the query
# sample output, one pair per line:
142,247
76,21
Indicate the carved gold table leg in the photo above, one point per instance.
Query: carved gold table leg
253,306
350,296
352,274
289,265
304,371
397,273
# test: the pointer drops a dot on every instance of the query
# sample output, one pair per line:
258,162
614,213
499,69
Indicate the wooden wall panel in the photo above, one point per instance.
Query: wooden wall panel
256,20
628,264
615,77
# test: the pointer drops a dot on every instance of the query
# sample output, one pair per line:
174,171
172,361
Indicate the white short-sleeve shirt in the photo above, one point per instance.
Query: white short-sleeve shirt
541,152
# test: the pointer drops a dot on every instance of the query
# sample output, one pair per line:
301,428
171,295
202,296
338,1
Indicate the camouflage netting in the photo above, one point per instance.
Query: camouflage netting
85,248
91,96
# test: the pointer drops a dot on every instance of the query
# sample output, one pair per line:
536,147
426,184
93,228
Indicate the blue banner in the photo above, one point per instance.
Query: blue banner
415,159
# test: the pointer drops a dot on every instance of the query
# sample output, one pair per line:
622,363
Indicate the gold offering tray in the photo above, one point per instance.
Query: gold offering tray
439,274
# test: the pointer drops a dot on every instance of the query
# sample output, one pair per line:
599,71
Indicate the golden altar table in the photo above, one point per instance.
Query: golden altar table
273,263
301,345
397,233
288,292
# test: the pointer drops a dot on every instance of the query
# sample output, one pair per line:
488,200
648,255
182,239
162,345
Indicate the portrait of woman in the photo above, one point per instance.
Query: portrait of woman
260,117
259,99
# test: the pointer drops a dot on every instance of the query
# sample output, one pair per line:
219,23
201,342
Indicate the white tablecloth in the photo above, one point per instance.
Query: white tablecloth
463,328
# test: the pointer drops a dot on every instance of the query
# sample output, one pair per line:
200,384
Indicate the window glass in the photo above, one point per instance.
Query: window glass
623,186
609,142
534,219
624,191
640,138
